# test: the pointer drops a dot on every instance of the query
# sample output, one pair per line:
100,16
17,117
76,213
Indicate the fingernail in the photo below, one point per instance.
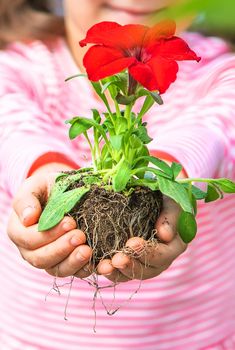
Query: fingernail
86,268
26,212
168,227
75,241
80,257
67,226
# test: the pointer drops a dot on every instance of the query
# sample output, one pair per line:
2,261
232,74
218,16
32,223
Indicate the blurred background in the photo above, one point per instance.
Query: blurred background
211,17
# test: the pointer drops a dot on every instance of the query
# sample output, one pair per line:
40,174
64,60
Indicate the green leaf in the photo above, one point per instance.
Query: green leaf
113,87
122,176
142,133
187,226
82,123
212,193
108,125
194,204
75,76
123,78
148,102
148,170
96,116
61,176
152,184
91,180
157,98
121,125
176,168
98,88
175,191
106,158
135,142
78,127
142,162
124,99
197,192
158,163
226,185
58,206
62,183
116,141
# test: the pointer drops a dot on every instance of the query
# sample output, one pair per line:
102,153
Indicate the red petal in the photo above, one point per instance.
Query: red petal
175,49
114,35
101,62
144,75
162,30
100,33
164,71
130,36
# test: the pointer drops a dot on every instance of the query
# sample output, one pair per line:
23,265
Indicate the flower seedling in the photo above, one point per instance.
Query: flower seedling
121,194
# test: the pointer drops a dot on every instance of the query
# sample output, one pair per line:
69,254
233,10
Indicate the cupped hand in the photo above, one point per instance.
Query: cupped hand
147,260
61,251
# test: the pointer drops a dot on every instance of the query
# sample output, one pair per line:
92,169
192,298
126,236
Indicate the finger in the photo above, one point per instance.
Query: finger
167,222
146,260
28,200
55,252
30,238
106,269
156,254
133,269
73,263
85,271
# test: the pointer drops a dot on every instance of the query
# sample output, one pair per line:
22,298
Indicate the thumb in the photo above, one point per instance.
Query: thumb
28,200
167,222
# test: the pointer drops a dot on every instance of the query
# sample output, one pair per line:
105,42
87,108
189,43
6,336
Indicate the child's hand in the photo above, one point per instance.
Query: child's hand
61,251
152,260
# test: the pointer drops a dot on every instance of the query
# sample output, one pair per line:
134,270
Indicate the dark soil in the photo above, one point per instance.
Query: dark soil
109,218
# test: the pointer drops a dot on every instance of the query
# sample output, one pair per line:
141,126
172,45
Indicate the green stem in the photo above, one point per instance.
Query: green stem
127,114
112,171
92,151
190,191
118,112
193,180
112,120
96,148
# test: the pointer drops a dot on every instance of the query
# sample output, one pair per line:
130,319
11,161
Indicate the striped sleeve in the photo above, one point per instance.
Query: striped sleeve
202,136
27,132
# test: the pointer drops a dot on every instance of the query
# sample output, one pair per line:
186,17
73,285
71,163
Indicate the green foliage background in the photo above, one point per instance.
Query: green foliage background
215,17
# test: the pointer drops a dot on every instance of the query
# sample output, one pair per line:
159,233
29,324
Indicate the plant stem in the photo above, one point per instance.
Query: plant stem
127,114
193,180
118,112
92,151
112,171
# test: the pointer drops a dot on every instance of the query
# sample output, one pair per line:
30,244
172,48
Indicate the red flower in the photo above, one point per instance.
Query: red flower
150,54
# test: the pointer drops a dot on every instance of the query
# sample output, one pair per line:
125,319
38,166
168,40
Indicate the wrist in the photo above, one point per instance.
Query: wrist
52,162
51,167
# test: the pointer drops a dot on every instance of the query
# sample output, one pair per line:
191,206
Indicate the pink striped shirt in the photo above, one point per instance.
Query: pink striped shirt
189,306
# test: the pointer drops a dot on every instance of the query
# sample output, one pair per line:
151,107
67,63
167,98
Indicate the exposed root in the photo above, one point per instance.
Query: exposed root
109,219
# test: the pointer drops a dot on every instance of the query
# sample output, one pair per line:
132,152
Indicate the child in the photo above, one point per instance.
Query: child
189,306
